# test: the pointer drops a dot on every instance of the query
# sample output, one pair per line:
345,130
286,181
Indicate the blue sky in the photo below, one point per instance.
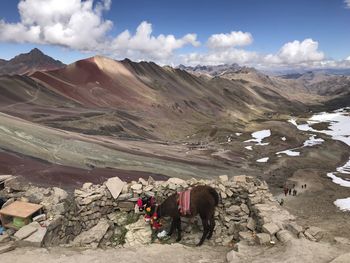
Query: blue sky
271,24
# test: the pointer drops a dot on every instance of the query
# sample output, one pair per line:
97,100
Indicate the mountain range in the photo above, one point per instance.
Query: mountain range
136,118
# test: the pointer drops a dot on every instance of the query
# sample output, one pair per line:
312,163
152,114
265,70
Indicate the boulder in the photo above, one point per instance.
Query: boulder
115,186
27,230
263,238
93,235
284,236
270,228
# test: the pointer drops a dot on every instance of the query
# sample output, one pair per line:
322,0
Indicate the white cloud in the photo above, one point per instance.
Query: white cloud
143,45
348,58
75,24
233,39
297,52
229,56
80,25
347,2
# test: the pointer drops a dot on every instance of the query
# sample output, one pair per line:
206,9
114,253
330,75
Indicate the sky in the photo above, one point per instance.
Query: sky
264,34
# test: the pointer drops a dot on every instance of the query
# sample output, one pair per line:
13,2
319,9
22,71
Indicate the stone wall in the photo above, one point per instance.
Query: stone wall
92,217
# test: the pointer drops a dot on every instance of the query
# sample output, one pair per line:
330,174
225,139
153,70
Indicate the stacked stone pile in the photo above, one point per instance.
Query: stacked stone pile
105,215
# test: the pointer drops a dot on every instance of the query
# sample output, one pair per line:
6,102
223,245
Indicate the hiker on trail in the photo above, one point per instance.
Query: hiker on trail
290,191
294,192
293,186
302,186
285,191
305,186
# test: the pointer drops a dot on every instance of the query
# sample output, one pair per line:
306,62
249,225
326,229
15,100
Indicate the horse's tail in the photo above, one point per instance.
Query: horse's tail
215,195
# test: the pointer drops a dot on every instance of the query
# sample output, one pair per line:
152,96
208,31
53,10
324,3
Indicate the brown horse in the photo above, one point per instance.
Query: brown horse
203,200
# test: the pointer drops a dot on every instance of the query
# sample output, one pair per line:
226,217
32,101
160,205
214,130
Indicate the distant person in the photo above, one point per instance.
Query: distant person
286,191
294,192
290,191
302,186
293,186
305,186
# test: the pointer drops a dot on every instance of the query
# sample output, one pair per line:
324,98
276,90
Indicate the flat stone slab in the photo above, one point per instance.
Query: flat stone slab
36,239
115,186
27,230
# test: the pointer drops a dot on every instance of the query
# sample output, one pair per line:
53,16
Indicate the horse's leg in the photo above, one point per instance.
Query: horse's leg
205,230
212,226
172,227
178,226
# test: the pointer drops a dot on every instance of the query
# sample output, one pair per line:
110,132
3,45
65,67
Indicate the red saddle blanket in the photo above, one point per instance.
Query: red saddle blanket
184,199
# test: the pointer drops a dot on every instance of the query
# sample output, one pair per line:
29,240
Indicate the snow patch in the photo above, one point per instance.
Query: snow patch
250,148
338,180
259,136
289,153
343,204
263,160
313,141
